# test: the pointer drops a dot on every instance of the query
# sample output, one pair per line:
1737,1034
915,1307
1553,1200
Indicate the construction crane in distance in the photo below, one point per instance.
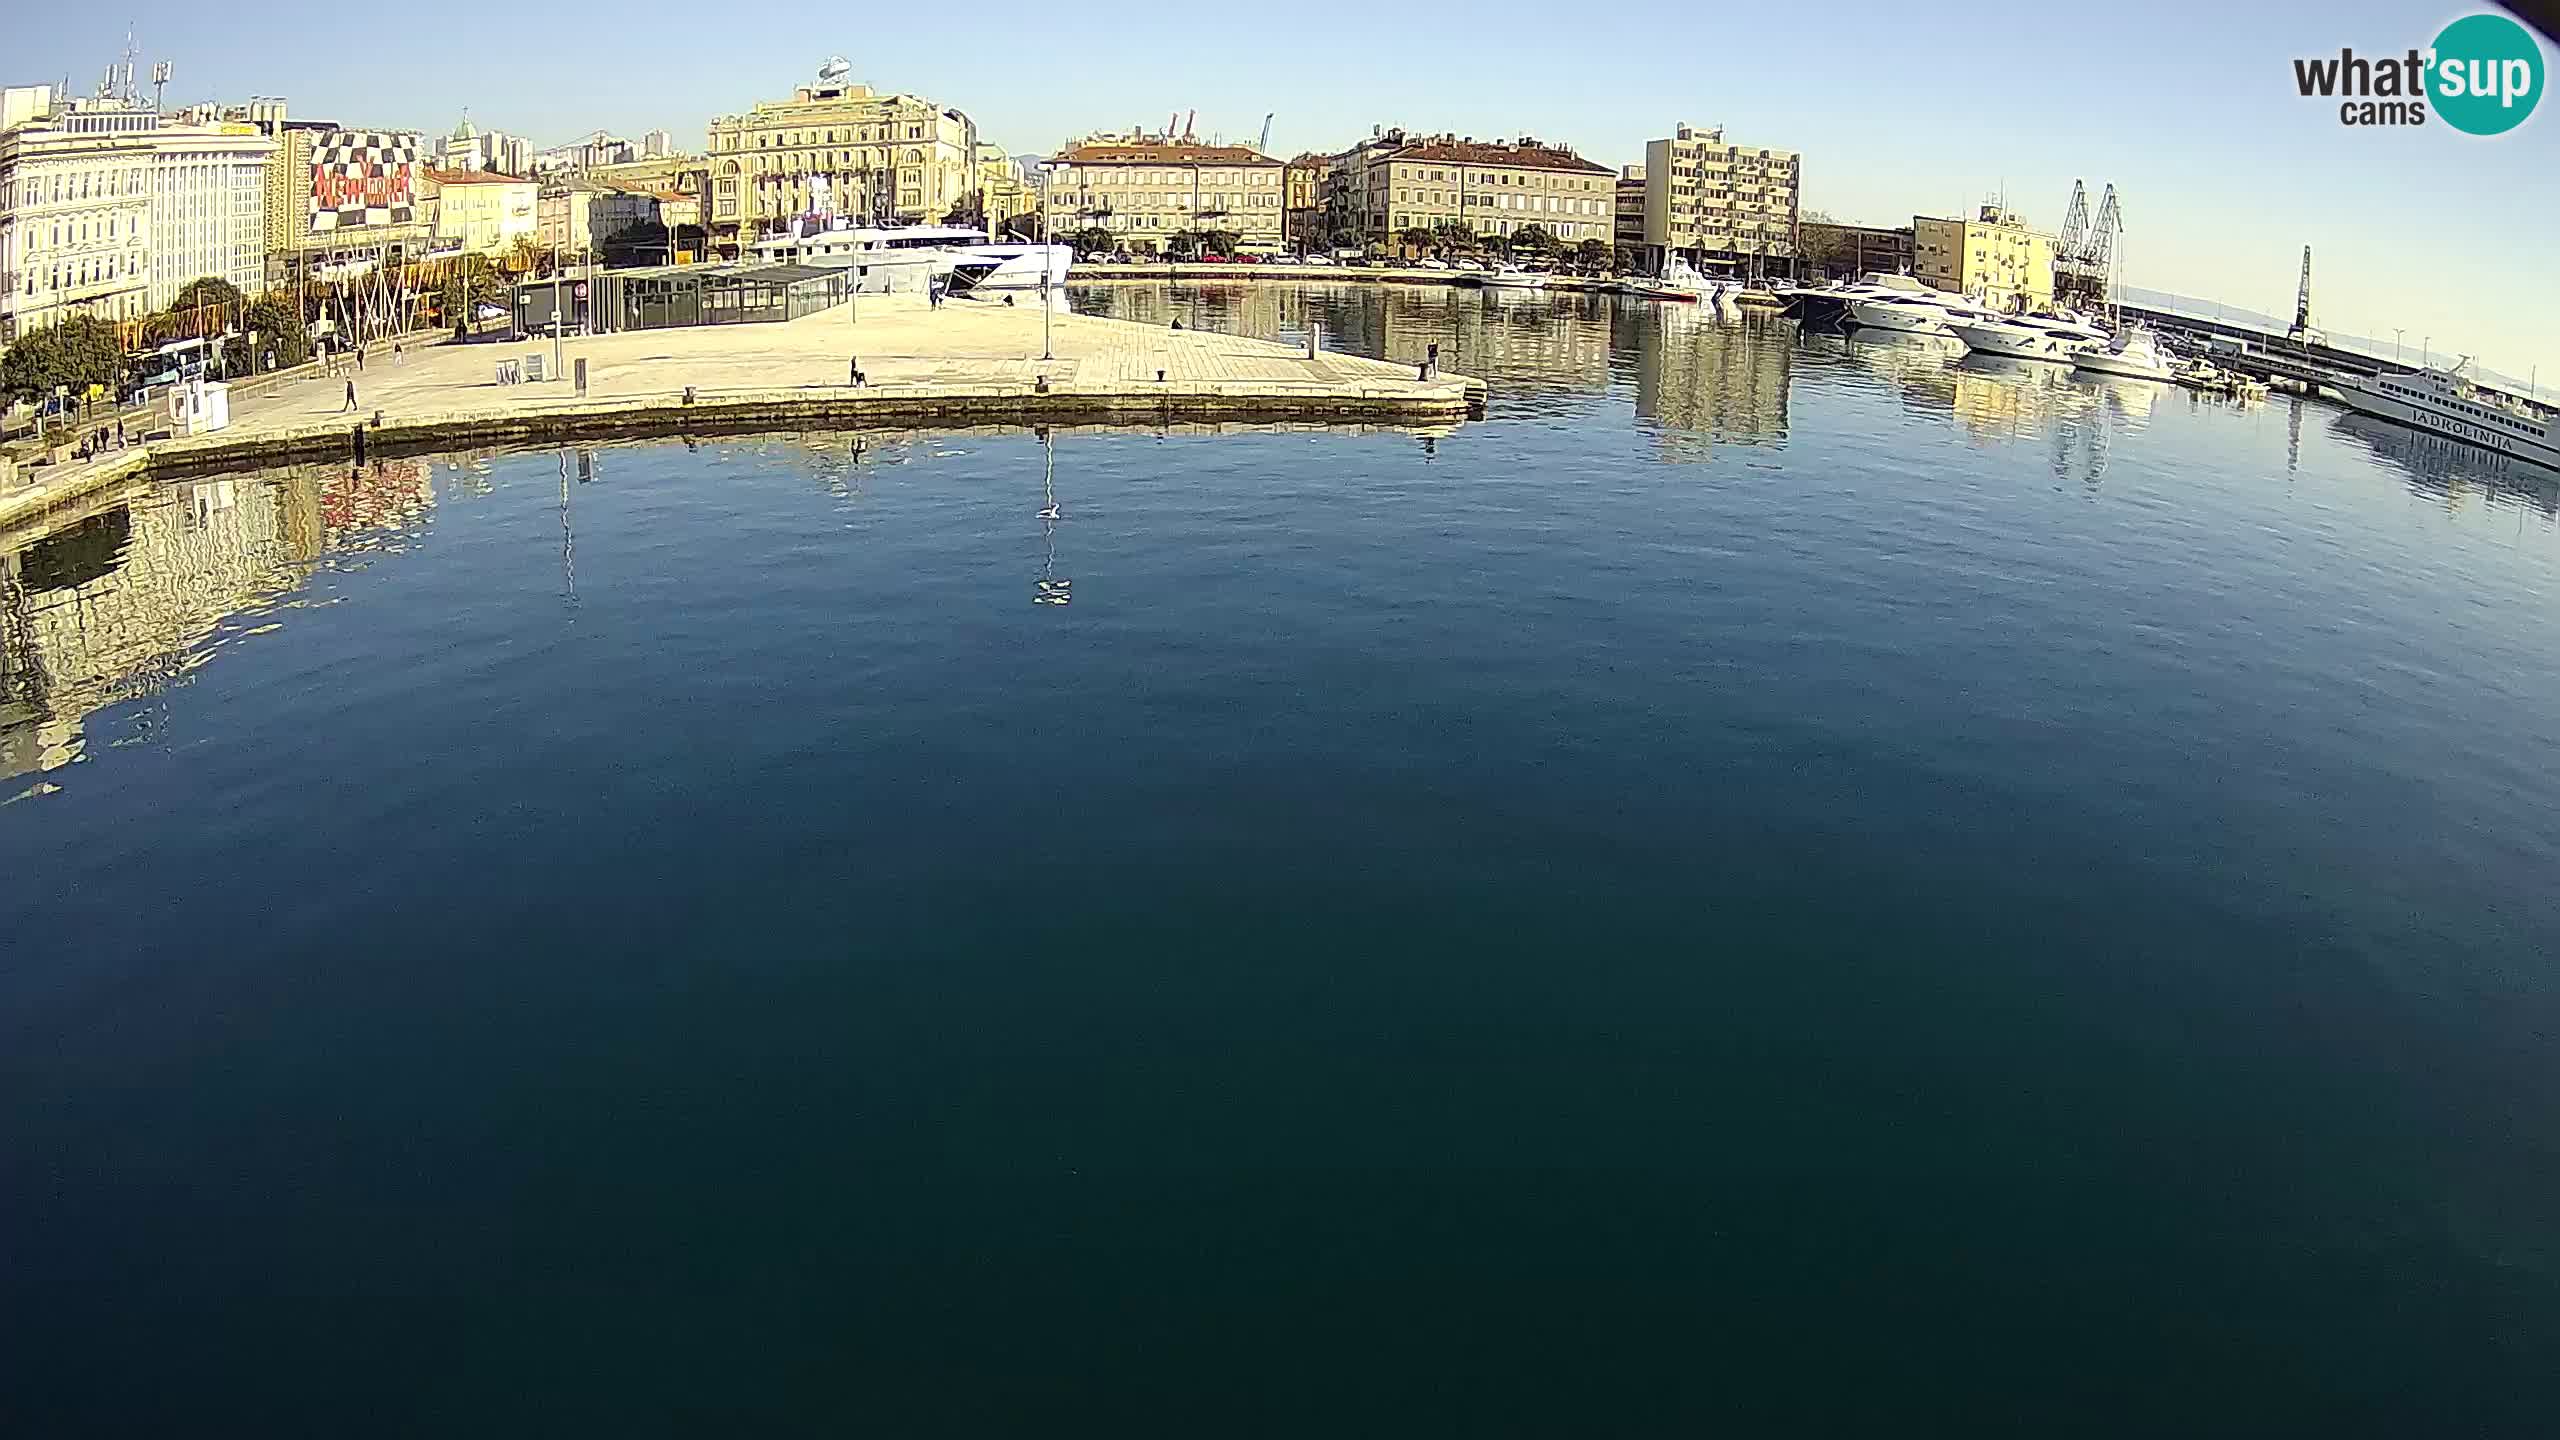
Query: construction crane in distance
1263,146
2303,331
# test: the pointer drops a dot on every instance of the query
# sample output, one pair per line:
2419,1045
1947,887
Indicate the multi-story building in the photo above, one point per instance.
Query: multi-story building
1389,185
1995,257
75,203
837,149
1302,209
584,154
1630,227
481,212
208,212
1003,195
338,201
1716,204
657,144
491,152
1838,249
583,218
1147,189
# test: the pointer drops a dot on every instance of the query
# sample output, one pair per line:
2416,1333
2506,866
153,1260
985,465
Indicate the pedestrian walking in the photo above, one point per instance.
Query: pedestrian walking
359,357
395,354
351,397
119,432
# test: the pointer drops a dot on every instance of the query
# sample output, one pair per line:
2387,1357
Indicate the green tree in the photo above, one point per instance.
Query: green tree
1823,244
1413,237
207,292
1453,236
1594,253
1220,242
472,282
276,323
1533,238
76,354
1092,240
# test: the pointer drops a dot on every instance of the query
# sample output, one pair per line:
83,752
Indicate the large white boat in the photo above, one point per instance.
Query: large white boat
2440,402
2134,353
964,258
1901,303
1512,277
2059,338
1680,280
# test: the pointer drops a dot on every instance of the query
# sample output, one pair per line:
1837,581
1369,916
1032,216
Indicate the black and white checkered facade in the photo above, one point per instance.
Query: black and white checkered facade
362,178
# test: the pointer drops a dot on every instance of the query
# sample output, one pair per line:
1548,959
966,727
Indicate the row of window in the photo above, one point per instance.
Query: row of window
2484,413
1116,175
1551,204
60,187
1505,177
1563,229
849,135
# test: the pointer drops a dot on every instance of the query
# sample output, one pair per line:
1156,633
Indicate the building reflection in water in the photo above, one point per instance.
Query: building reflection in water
1702,380
114,602
1051,588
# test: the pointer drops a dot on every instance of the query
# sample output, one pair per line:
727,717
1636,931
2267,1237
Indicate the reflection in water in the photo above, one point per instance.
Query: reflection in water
2454,473
122,601
1051,588
1700,379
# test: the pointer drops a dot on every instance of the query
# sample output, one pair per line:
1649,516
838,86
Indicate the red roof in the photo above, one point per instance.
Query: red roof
1518,157
1170,153
472,177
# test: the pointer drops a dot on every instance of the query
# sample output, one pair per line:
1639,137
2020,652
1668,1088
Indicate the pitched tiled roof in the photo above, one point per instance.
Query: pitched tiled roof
1522,157
1171,153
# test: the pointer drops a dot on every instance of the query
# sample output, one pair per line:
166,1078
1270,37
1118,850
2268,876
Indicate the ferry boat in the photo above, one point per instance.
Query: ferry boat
2441,402
2134,354
963,257
2058,338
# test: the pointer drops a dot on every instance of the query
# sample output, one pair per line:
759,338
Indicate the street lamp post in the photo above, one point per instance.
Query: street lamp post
1046,176
2396,333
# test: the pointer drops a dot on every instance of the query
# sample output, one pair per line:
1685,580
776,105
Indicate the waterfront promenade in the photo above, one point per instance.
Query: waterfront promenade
966,362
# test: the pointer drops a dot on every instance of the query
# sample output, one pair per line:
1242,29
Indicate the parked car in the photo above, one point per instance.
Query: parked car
1213,259
1433,262
1314,260
1248,259
1468,265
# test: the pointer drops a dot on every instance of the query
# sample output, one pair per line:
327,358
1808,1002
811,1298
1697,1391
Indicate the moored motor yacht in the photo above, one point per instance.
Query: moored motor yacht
2134,353
2058,338
1902,303
1513,277
964,258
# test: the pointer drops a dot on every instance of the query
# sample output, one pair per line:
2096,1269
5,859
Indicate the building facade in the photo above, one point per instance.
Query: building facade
1629,235
1003,195
491,152
339,202
1718,205
1995,257
584,154
75,203
1303,219
208,212
583,219
1839,250
480,212
656,145
837,149
1146,190
1488,187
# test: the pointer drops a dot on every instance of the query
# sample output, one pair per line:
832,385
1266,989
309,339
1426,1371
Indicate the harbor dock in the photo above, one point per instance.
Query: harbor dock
962,363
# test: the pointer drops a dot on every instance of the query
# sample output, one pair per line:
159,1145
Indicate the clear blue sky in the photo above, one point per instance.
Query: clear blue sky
2187,107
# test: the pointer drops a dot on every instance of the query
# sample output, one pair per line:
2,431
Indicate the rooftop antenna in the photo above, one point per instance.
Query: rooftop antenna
159,82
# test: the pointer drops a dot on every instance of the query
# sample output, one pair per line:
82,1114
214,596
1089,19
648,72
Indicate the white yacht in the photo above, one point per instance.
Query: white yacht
963,257
2440,402
1679,280
2058,338
2134,353
1512,277
1913,307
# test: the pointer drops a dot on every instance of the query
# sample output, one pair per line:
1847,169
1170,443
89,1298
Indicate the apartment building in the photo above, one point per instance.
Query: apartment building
1147,189
492,152
1995,257
837,149
1392,183
481,212
208,211
1630,229
1719,205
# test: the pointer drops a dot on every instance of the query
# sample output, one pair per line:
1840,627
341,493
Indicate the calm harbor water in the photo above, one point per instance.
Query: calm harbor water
1770,880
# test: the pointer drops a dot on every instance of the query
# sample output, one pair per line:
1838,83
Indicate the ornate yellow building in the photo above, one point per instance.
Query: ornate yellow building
1146,190
837,149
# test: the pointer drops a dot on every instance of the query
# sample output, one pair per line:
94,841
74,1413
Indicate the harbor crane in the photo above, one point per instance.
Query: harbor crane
1263,146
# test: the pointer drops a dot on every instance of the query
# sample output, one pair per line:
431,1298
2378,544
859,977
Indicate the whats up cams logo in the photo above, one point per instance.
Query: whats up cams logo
2482,76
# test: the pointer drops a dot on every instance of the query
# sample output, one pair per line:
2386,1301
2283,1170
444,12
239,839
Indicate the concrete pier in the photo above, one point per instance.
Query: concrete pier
963,363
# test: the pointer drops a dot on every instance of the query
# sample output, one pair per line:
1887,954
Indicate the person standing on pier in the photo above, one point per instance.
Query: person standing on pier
351,397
